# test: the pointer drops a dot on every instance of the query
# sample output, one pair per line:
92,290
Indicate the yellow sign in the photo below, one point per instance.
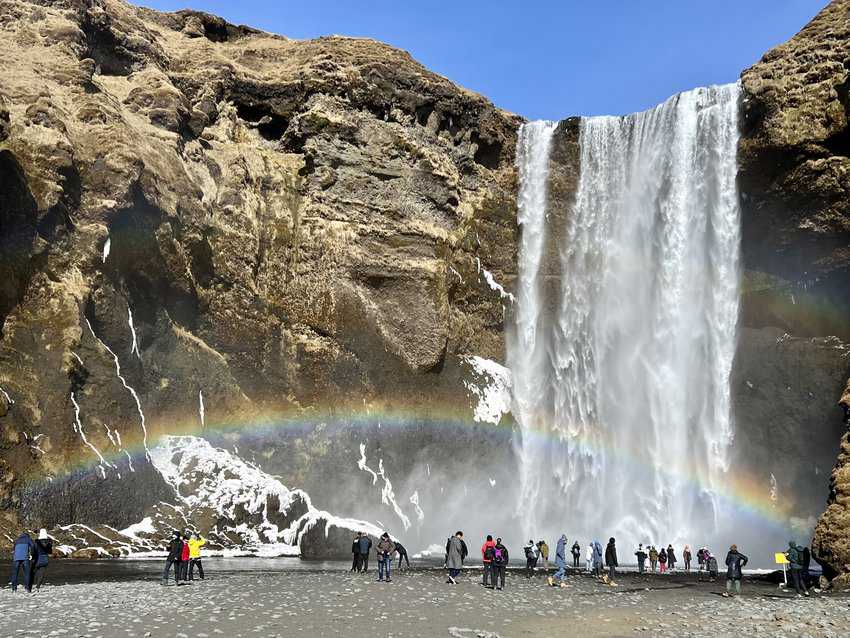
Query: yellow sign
780,558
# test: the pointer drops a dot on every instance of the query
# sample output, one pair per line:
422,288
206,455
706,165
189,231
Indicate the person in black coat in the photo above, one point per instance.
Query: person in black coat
611,558
44,548
175,555
735,562
355,553
500,564
402,553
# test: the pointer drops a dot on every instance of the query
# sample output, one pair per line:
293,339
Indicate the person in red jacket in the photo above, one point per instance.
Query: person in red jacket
184,558
487,553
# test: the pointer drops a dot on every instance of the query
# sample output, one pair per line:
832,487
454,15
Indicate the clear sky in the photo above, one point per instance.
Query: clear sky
545,58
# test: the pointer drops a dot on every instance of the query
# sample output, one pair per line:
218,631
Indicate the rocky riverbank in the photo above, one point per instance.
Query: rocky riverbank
417,603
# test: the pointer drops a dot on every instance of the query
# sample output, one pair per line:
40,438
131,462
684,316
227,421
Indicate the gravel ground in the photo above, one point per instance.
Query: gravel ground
416,603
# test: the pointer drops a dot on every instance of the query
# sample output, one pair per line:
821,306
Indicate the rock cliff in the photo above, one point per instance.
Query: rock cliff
206,225
795,162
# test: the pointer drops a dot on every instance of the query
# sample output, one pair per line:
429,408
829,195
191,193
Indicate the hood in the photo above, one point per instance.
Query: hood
563,538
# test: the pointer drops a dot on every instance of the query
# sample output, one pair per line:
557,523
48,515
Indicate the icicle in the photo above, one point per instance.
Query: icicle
414,499
78,427
126,386
135,346
361,464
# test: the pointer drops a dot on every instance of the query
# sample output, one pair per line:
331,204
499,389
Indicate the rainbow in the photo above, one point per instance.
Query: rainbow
749,498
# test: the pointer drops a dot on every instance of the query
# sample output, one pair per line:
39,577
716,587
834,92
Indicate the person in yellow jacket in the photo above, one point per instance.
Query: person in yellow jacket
195,543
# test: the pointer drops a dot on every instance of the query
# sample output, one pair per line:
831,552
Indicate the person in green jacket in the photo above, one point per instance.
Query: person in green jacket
795,560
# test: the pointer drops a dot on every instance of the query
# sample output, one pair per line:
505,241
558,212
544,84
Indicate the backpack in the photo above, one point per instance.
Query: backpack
489,553
498,556
529,553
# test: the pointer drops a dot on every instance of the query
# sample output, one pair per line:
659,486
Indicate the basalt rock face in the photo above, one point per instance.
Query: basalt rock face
795,163
205,225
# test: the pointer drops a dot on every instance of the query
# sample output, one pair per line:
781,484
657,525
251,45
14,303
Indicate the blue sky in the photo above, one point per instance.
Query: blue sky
544,58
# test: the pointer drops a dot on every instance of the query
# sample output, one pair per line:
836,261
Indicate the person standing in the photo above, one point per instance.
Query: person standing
386,552
807,561
44,548
355,553
530,559
364,545
641,558
455,553
175,552
487,553
795,561
653,558
500,563
402,553
195,543
671,558
588,557
576,552
543,552
597,559
686,556
611,559
560,561
23,552
735,562
184,559
662,560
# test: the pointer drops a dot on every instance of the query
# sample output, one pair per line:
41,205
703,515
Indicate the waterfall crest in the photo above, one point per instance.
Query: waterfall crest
621,369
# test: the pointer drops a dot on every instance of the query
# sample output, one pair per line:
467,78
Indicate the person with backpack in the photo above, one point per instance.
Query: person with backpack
576,552
560,562
402,553
455,555
195,543
653,558
588,557
597,559
671,558
530,559
23,551
701,560
487,553
500,564
662,560
686,556
795,560
611,560
543,552
175,553
364,546
735,562
641,558
711,566
386,552
44,548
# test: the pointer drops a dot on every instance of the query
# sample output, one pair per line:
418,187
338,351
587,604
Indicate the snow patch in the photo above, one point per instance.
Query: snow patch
201,407
493,390
106,248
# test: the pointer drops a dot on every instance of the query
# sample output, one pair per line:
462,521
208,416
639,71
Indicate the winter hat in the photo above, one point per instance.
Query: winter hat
42,534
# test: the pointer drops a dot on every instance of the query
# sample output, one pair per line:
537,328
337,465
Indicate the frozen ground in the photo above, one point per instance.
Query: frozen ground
416,603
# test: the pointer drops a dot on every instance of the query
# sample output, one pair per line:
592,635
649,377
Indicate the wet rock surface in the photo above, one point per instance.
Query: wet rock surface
418,603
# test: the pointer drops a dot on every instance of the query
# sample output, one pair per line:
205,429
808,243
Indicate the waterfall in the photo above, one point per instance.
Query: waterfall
621,368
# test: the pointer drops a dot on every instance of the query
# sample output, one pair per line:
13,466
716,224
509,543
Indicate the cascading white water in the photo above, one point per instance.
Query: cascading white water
621,382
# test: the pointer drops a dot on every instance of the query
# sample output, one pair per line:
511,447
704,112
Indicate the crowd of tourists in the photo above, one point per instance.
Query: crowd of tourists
30,558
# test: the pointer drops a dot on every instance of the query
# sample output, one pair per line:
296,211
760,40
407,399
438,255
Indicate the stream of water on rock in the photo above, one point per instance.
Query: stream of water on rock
621,359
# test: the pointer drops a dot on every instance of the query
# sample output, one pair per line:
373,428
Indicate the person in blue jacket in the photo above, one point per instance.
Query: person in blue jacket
560,562
23,552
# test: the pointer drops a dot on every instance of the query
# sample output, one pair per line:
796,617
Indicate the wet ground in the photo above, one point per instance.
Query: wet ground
324,599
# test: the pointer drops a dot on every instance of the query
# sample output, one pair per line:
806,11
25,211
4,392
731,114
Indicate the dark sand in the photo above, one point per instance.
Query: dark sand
324,602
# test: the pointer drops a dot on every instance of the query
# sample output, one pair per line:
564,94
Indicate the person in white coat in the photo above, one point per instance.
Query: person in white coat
588,557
